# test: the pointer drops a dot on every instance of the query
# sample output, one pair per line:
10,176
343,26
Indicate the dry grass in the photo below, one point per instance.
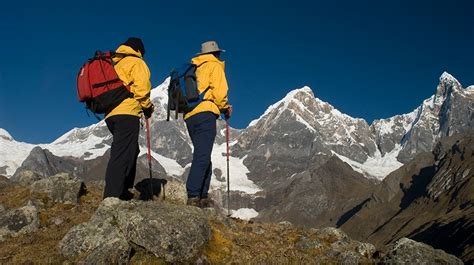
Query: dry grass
232,242
41,247
244,242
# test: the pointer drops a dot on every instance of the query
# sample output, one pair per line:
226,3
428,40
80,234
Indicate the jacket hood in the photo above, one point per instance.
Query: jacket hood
207,58
128,50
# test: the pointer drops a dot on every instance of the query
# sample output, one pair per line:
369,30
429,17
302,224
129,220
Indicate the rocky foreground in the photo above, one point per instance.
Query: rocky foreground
60,220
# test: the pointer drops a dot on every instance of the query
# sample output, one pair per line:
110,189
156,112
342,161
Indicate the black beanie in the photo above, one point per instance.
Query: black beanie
136,44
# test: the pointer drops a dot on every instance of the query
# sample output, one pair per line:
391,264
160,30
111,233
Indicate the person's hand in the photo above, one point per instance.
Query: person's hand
148,111
228,112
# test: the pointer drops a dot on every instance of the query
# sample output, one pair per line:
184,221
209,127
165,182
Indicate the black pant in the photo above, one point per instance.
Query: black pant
120,174
202,130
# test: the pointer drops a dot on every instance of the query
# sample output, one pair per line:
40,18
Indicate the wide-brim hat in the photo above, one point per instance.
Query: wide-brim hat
209,47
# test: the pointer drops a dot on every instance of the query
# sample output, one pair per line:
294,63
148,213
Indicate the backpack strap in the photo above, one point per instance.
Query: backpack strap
123,55
207,89
197,66
88,110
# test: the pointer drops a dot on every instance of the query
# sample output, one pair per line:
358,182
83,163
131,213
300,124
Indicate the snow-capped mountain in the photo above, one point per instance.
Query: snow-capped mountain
296,133
310,159
449,111
12,153
296,129
301,130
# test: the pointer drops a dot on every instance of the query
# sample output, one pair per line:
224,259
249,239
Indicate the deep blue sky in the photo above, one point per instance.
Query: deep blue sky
370,59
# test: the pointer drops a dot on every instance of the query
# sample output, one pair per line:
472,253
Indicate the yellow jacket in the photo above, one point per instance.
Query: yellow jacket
210,75
132,69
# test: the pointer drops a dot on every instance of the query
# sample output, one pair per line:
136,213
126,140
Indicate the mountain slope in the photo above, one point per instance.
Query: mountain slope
317,197
430,200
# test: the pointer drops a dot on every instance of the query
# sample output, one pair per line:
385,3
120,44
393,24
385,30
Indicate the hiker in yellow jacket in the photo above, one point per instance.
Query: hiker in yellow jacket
201,121
124,120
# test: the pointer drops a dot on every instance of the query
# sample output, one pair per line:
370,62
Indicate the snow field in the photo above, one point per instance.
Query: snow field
244,213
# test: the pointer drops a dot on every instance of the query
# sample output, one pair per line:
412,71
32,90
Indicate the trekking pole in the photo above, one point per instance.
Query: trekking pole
228,181
149,156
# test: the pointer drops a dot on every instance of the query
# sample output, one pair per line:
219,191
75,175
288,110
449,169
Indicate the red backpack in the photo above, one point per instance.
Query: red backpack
98,84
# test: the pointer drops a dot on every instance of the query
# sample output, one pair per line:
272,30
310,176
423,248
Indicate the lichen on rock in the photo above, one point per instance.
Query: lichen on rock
170,232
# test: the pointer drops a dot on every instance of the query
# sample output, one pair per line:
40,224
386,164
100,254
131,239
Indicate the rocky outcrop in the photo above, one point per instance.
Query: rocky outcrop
18,221
336,245
171,233
175,191
407,251
26,177
63,188
44,163
96,242
4,182
150,232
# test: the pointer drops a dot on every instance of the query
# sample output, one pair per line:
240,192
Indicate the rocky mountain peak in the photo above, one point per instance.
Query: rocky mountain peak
305,107
447,85
303,94
447,112
295,99
82,135
445,76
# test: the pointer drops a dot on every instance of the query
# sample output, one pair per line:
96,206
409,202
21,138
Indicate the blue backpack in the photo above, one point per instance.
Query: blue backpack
183,93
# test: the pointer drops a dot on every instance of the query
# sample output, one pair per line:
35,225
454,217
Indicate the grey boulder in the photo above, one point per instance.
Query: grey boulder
336,246
172,233
26,177
18,221
63,188
407,251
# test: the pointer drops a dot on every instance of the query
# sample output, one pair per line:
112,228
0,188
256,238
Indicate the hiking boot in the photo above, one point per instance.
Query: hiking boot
126,196
207,203
194,201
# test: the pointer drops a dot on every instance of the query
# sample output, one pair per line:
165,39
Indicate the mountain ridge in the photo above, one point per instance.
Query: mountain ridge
367,149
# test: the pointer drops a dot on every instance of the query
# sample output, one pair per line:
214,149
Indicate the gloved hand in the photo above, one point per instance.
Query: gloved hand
148,111
228,112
